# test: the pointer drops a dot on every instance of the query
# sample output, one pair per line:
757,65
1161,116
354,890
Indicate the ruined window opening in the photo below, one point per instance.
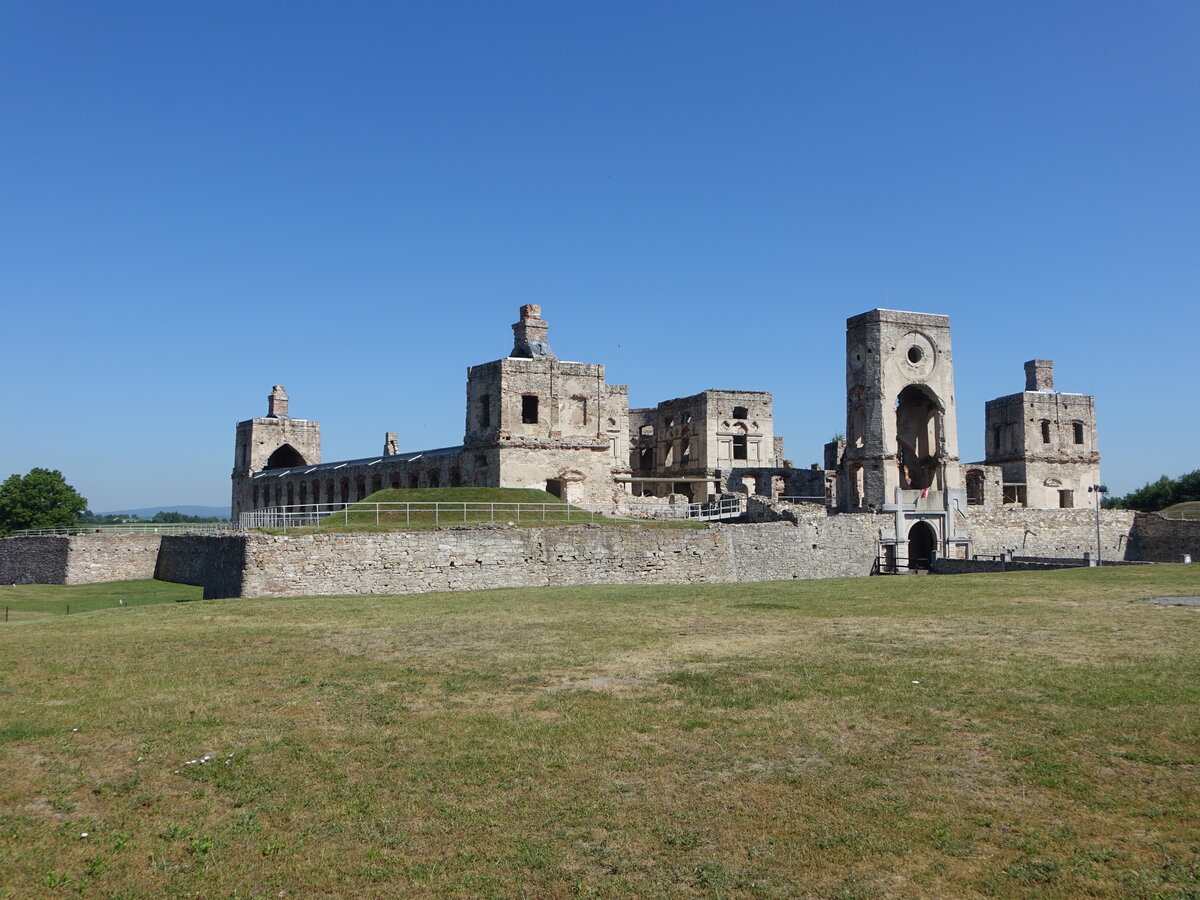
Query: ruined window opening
918,433
915,354
1045,431
481,460
739,446
413,481
254,497
432,477
345,487
485,411
1078,429
996,436
284,458
529,409
360,488
394,482
1066,499
646,459
376,484
646,430
974,488
740,412
1015,494
303,494
670,422
685,451
266,495
455,477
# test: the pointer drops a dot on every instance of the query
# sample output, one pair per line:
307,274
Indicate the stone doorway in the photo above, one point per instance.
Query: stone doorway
922,542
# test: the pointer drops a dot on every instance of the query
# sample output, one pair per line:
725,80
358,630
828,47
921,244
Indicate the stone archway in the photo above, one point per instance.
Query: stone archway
922,542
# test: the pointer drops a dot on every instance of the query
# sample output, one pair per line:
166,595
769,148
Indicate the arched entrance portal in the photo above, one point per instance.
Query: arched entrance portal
922,541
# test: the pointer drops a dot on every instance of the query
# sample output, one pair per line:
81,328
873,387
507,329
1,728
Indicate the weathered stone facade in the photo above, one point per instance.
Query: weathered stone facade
1043,446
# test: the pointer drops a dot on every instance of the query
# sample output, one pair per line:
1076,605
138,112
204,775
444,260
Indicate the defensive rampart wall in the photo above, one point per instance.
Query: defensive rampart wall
1159,539
475,558
78,559
1057,533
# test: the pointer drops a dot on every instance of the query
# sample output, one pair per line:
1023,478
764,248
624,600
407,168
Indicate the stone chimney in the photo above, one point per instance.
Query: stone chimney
1039,375
391,444
277,403
530,334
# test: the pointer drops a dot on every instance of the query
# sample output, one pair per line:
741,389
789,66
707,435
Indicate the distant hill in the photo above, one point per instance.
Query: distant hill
150,511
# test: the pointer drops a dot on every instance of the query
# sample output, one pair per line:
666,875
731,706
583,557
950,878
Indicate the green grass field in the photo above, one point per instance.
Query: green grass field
1030,735
1187,510
19,602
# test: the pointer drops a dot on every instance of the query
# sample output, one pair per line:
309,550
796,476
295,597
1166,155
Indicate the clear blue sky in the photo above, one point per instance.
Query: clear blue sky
198,201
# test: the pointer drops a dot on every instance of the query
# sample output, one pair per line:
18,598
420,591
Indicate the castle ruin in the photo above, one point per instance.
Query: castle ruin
536,421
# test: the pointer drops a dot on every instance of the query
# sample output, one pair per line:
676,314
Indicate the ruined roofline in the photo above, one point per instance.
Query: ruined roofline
277,419
366,460
899,317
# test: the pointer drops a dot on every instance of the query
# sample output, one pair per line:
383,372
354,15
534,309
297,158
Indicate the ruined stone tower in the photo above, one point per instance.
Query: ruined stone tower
1044,443
536,421
901,425
274,441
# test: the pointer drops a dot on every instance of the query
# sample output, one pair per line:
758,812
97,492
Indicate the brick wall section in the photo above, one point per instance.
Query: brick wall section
34,560
93,558
1059,533
1165,540
215,563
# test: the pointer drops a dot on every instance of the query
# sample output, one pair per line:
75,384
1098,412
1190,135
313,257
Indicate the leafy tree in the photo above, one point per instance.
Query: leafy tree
1162,493
41,499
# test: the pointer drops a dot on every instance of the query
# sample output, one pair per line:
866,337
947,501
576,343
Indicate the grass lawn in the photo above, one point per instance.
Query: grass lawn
525,507
30,601
1188,510
1021,735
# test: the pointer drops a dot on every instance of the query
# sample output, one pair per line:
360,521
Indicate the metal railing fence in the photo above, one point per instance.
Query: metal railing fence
335,515
708,510
131,528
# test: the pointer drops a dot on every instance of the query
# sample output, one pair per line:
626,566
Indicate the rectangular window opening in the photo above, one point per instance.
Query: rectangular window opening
485,411
529,409
739,446
1066,499
1078,427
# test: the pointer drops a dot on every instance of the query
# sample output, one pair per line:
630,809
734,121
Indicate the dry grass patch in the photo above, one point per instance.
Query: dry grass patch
1022,735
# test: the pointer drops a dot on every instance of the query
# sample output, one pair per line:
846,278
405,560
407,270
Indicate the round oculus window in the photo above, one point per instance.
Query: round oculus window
915,354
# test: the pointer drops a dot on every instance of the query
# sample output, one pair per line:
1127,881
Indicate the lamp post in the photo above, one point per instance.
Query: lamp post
1099,490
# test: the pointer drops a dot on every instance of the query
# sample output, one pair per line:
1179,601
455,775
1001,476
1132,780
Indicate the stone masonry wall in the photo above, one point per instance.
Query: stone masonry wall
1160,539
1057,533
78,559
34,560
93,558
479,558
214,563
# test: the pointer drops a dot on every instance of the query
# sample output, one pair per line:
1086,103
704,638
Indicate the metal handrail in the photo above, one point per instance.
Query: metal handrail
129,528
308,515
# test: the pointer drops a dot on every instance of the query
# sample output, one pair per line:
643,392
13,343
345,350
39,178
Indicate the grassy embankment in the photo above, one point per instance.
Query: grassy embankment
1021,735
1188,510
523,507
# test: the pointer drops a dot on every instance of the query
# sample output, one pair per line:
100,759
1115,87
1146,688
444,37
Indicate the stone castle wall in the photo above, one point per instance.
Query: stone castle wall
78,559
1160,539
481,558
1058,533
